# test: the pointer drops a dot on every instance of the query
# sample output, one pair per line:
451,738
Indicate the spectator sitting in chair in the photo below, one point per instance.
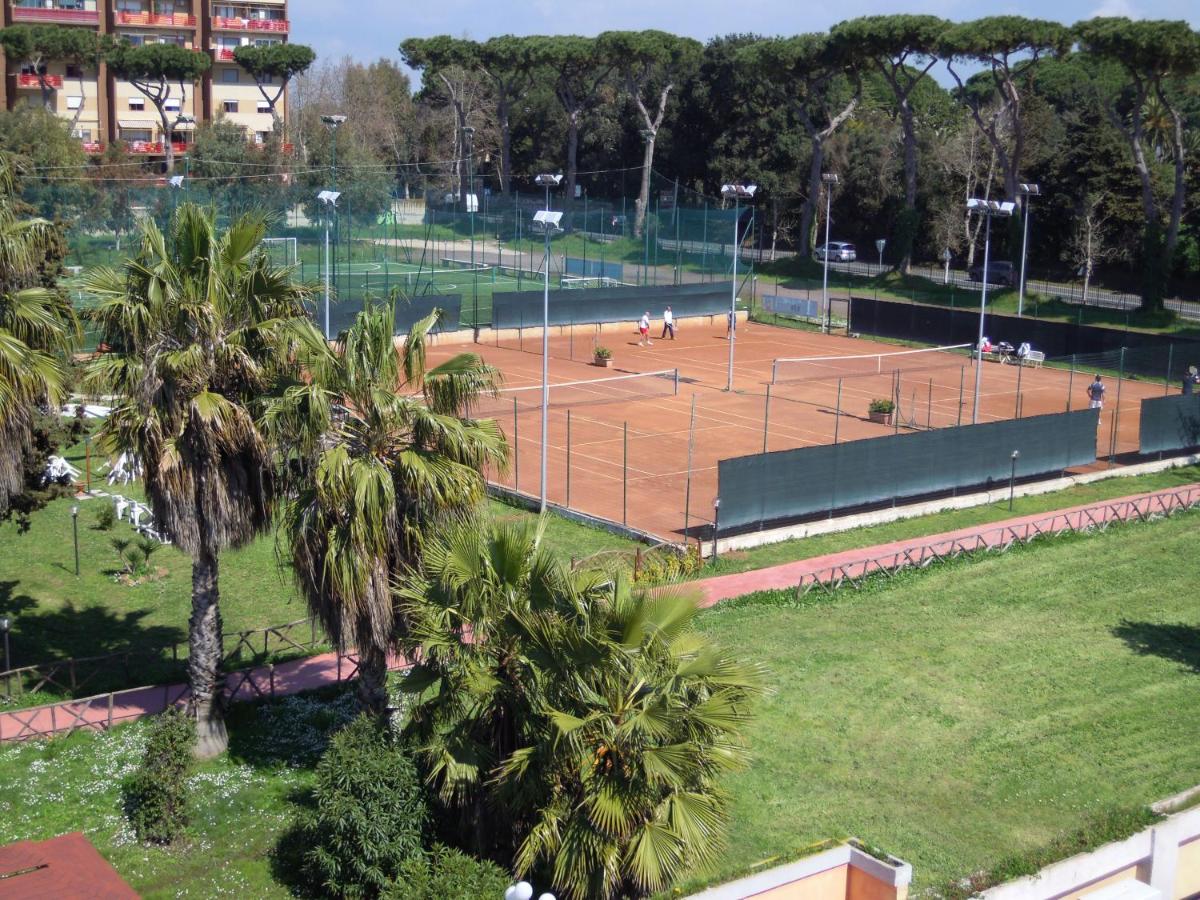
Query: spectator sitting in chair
1191,378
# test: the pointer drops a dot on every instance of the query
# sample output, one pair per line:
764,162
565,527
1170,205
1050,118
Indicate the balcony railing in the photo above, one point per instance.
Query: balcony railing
155,148
223,54
27,80
93,147
53,14
224,23
168,20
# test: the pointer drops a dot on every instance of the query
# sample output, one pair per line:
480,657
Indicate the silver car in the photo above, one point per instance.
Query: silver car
839,251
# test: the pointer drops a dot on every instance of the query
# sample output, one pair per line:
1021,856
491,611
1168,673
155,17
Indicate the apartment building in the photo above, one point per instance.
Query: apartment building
103,108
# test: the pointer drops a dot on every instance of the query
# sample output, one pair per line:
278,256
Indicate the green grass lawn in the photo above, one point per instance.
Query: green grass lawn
58,615
952,716
961,714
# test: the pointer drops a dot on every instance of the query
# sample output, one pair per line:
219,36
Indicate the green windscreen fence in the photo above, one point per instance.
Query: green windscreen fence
1169,423
408,312
523,309
790,484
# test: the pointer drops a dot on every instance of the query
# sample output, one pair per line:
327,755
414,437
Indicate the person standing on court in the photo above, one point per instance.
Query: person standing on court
1191,378
1095,392
668,324
644,330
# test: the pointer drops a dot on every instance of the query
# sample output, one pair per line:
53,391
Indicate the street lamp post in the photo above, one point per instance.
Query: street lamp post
737,193
1012,477
716,526
328,199
5,628
989,209
549,221
75,534
829,179
1028,192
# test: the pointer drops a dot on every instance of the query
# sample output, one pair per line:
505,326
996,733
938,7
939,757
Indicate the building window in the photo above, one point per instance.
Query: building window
231,106
229,76
171,104
74,71
74,102
264,106
261,137
82,134
137,103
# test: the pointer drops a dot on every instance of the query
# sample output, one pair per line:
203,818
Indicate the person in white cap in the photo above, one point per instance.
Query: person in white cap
644,330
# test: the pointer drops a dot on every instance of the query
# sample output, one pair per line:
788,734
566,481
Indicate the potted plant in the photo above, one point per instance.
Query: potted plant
602,357
881,411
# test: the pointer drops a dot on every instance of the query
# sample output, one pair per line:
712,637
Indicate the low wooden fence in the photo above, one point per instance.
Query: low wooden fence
999,538
103,711
74,675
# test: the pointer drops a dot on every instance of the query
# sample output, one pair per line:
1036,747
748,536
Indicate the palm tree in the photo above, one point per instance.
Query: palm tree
574,728
196,320
379,447
38,330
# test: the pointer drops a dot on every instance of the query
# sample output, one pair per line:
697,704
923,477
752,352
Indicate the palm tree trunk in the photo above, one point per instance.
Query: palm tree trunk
204,659
372,680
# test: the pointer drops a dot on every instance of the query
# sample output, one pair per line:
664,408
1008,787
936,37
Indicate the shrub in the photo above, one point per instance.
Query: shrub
106,517
445,872
664,564
603,353
156,794
370,812
881,406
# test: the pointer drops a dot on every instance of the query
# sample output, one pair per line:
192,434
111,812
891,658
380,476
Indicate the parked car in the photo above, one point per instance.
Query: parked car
839,251
999,272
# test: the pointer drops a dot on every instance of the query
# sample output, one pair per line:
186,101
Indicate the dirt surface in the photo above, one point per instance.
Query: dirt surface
629,440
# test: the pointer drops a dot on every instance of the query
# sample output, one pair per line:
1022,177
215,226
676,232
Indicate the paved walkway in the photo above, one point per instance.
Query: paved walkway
835,567
105,710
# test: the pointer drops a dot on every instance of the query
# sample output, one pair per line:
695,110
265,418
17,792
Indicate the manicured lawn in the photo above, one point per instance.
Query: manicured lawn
968,712
58,615
952,716
950,520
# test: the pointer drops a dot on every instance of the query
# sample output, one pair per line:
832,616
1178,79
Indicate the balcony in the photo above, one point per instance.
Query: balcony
221,23
161,20
27,80
223,54
54,15
93,148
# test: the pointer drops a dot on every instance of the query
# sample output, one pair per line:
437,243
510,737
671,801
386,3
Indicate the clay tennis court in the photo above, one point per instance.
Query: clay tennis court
629,437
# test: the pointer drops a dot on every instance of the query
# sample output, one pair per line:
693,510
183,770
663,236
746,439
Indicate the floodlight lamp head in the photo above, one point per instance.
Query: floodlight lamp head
330,197
469,131
333,121
1016,454
1030,190
1003,207
176,181
738,191
5,623
976,205
548,219
830,178
548,180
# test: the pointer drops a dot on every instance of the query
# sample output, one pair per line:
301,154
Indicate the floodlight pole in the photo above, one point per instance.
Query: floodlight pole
326,274
987,242
547,181
545,360
830,180
1028,191
733,293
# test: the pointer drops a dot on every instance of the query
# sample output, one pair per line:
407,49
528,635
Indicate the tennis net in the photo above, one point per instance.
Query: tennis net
617,389
804,368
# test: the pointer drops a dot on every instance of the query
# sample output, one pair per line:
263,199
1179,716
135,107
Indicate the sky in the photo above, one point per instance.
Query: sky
369,29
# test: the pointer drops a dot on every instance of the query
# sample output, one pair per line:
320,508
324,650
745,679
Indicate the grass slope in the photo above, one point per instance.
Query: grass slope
959,715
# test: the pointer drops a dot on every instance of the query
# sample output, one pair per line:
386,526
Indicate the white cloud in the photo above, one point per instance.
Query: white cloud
1116,8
